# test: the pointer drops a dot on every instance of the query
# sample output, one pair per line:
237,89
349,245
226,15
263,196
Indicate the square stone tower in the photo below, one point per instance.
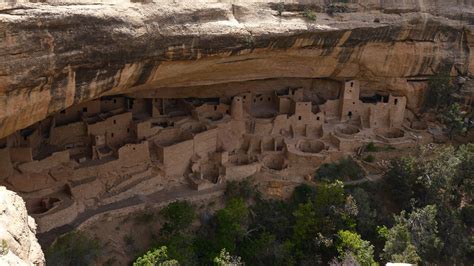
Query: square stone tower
349,100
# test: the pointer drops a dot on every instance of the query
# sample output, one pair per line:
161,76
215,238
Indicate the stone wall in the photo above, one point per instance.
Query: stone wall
176,158
131,154
116,128
75,113
70,133
21,154
205,143
54,160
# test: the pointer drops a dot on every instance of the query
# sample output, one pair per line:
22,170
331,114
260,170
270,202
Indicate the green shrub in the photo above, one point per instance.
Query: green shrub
345,169
369,158
75,248
158,256
243,189
144,217
467,214
178,216
439,91
371,147
309,14
453,118
225,259
353,243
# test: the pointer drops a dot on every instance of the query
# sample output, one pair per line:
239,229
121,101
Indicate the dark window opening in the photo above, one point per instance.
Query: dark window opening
317,118
245,97
269,99
349,114
84,109
376,98
25,137
112,135
130,103
133,148
115,100
128,130
115,122
352,84
63,112
227,112
396,101
215,107
299,117
353,102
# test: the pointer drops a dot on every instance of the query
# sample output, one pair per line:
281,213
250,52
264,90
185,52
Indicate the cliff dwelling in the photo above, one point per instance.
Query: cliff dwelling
112,148
113,111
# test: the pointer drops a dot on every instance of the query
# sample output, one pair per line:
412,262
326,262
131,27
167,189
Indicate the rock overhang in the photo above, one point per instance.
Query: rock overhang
64,53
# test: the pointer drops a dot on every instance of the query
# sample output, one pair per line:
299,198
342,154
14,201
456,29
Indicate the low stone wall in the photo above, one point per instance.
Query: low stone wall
240,172
54,160
21,154
298,158
139,207
345,145
58,216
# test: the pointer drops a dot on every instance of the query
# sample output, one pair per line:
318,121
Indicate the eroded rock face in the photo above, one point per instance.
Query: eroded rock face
18,243
56,55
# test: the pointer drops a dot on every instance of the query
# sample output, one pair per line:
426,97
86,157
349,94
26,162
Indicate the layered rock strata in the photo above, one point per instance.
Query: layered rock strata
58,54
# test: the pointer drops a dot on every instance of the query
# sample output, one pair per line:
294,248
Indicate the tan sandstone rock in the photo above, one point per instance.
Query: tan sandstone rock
17,231
56,53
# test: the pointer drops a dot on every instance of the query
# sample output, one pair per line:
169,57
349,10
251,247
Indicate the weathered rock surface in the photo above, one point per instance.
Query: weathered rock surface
54,55
17,231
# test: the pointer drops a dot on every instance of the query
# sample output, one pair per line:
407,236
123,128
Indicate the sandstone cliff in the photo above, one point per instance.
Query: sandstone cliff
18,243
57,54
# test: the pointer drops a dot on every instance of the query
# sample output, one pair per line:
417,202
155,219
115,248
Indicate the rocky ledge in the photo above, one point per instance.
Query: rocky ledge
59,53
18,243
